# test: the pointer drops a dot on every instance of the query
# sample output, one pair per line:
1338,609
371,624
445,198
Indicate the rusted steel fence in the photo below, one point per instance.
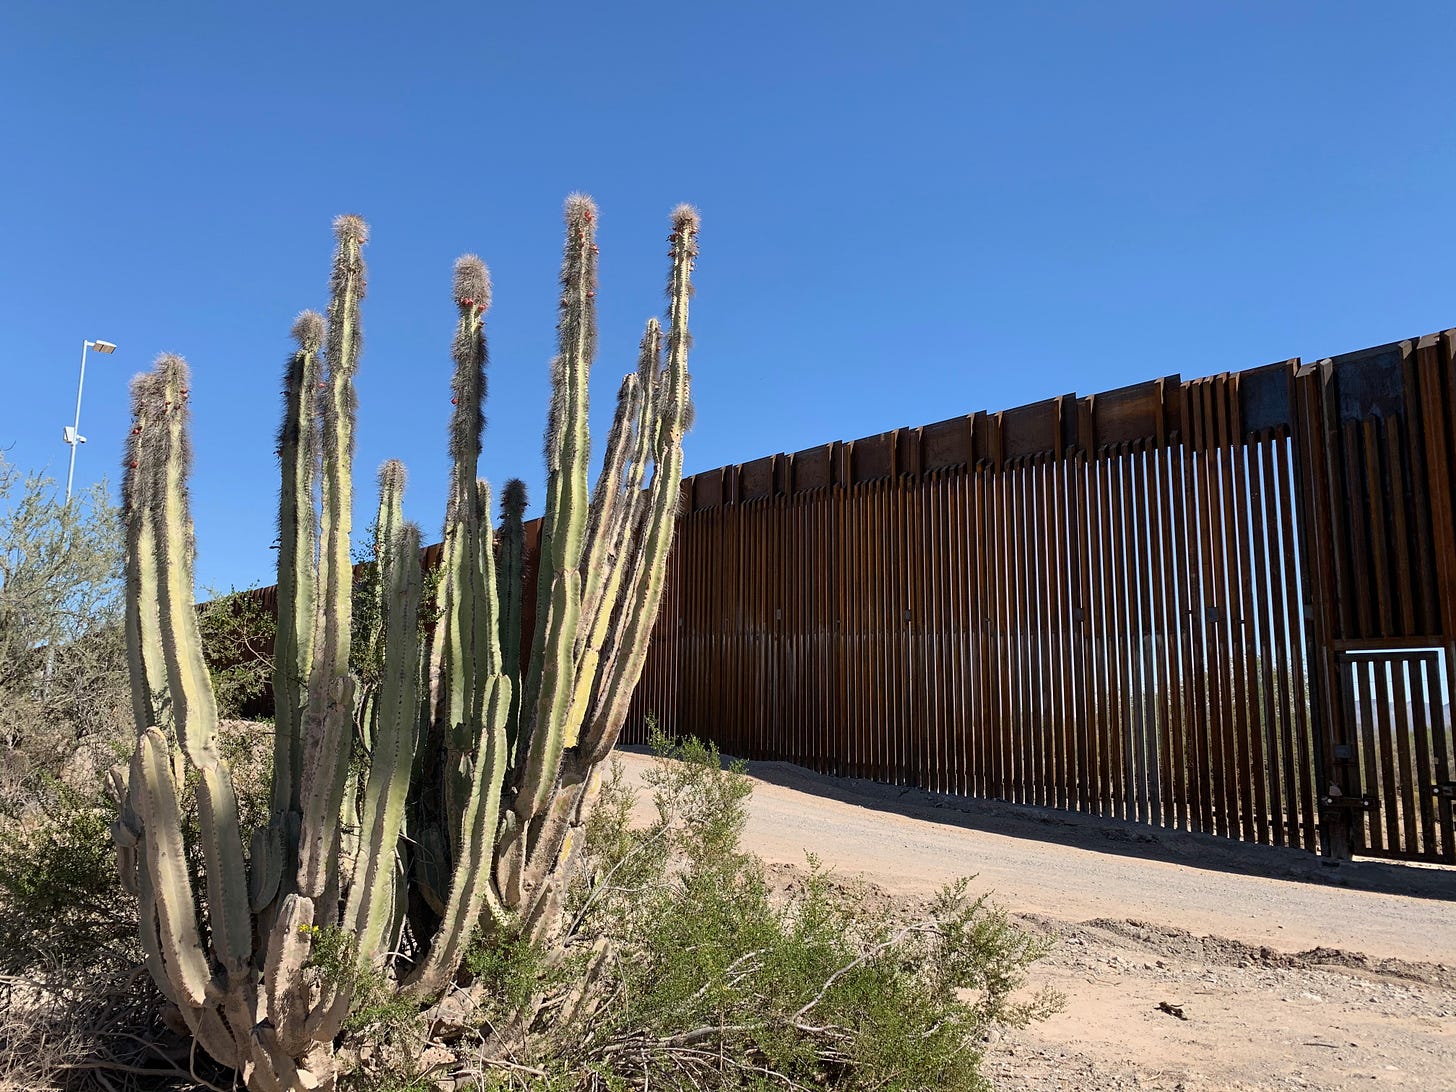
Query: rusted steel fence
1224,605
1221,605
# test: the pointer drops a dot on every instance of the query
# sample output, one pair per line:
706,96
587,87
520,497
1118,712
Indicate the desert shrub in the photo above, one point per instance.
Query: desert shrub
237,643
68,942
61,901
62,904
714,981
63,682
73,1001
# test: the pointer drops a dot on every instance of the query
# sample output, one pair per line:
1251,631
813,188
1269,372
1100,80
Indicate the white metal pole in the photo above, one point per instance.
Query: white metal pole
76,431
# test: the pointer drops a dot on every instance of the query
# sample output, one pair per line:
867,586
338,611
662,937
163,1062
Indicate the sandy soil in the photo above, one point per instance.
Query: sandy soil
1188,962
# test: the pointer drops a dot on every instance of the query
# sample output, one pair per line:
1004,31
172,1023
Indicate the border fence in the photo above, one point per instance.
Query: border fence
1224,605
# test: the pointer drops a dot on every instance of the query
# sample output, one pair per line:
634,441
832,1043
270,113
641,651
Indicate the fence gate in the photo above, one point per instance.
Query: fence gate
1397,708
1377,448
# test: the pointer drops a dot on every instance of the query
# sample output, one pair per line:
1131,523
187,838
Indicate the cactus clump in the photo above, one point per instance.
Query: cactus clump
441,797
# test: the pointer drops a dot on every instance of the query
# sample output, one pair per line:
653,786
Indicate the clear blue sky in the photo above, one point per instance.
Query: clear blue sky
910,211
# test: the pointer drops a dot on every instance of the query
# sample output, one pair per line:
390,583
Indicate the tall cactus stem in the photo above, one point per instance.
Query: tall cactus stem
461,695
328,738
564,525
607,498
298,454
370,910
476,732
180,938
621,527
145,659
472,890
387,522
645,593
165,452
486,638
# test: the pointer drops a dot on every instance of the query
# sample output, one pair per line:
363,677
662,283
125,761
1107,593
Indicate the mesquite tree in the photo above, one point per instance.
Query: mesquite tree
440,797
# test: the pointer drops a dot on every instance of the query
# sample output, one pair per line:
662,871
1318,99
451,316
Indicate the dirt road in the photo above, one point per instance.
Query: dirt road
1188,962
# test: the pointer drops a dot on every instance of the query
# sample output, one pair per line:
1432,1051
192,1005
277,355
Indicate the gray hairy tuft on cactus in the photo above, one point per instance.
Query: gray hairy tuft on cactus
439,792
392,477
308,331
349,226
472,280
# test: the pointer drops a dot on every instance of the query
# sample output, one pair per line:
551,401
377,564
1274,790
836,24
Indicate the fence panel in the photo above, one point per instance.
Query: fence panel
1133,604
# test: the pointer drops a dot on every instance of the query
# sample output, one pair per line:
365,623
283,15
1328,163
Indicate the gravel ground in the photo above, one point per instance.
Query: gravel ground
1188,962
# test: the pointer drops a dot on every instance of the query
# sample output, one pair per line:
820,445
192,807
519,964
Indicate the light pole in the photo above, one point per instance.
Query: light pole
72,433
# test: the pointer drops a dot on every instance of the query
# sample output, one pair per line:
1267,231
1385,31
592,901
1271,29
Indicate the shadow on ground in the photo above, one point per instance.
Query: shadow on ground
1099,835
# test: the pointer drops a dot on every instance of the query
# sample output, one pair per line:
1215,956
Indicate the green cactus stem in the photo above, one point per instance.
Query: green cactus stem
145,662
370,909
546,704
460,696
369,654
535,876
629,648
148,669
477,740
274,849
472,890
330,689
297,540
165,453
607,501
180,939
616,529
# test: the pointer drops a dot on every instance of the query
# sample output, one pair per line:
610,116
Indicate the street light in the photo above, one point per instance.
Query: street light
71,434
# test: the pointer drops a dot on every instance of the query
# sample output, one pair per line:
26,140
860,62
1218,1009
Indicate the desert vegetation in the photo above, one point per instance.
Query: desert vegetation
418,875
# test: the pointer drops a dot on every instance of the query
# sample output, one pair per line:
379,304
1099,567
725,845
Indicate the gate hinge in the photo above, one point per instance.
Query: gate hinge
1444,790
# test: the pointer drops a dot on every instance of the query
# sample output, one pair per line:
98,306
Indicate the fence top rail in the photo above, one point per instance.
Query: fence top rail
1138,416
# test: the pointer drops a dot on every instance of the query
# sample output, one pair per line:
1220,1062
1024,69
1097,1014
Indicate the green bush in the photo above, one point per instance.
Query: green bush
63,682
61,900
237,643
714,982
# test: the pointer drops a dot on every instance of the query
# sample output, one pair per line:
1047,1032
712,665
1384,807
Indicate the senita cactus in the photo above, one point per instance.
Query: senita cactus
442,799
